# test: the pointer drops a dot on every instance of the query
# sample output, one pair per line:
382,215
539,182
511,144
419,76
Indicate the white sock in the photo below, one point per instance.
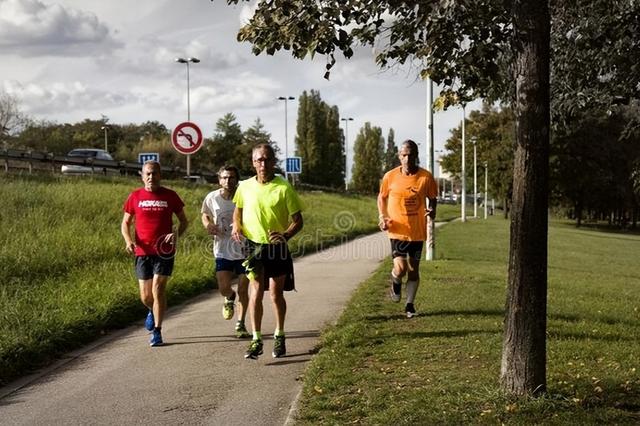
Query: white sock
412,289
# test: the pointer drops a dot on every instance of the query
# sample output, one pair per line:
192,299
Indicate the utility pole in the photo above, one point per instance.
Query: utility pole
431,229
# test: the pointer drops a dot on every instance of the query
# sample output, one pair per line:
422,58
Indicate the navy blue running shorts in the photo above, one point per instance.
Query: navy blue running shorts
148,266
234,266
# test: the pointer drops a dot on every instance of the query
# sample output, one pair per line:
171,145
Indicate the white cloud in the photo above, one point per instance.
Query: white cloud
67,96
31,27
247,12
247,90
154,57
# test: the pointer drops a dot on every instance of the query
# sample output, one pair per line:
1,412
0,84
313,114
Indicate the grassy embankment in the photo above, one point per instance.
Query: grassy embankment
65,278
377,367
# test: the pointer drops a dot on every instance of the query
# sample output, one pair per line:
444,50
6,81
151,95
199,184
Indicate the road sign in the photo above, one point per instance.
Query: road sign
294,165
143,157
186,138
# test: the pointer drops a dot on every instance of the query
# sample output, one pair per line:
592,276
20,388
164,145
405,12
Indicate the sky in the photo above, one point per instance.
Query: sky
69,60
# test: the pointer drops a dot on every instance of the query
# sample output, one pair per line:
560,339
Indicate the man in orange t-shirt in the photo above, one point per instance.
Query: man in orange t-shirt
403,210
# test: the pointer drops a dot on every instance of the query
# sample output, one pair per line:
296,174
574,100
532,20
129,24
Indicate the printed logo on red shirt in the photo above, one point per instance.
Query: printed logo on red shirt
152,203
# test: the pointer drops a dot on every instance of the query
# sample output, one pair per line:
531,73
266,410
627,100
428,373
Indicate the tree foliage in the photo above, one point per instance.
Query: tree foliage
458,43
319,141
594,166
12,119
595,55
368,159
391,159
231,145
493,129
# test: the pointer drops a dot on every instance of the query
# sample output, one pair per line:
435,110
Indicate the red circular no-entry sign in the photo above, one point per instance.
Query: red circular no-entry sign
186,138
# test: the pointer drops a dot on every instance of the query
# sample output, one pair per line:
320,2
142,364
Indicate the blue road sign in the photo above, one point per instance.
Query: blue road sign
294,165
143,157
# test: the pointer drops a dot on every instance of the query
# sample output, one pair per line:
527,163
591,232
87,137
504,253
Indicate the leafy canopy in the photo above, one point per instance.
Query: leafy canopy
458,43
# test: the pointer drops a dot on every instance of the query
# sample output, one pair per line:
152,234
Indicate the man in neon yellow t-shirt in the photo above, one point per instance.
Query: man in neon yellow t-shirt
268,214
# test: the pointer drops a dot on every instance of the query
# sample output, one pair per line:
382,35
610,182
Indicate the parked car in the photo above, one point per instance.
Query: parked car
94,162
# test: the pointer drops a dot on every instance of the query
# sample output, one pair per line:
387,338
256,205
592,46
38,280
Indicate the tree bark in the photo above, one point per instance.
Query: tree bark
523,370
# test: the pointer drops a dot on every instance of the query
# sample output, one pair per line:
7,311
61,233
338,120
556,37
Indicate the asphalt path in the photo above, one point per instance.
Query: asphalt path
200,375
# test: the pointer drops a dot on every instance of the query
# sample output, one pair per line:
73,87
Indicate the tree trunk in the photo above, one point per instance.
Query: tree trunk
523,370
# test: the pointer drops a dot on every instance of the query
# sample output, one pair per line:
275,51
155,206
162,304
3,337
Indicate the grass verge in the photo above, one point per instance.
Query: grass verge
64,275
377,367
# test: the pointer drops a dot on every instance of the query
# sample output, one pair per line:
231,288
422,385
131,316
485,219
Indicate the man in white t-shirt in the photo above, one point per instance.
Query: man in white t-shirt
217,218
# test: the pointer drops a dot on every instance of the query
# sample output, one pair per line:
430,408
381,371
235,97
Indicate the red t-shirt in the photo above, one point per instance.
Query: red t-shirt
153,213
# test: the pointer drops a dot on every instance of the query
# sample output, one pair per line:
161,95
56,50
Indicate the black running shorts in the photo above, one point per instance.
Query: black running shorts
410,249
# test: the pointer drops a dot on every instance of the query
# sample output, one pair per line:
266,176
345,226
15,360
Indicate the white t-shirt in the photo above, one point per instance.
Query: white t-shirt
220,211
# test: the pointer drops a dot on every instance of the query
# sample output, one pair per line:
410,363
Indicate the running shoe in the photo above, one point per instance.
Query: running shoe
410,310
227,309
279,347
156,338
255,349
150,322
241,331
395,291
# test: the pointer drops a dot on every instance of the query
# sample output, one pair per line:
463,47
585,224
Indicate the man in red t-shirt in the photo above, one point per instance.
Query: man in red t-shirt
152,208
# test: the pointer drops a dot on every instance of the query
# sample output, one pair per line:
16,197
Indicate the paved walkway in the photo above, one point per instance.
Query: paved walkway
200,376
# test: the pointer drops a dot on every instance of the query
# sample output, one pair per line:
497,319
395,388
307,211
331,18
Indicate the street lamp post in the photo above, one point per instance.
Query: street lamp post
475,177
430,253
106,139
486,200
286,138
186,61
464,171
439,151
346,151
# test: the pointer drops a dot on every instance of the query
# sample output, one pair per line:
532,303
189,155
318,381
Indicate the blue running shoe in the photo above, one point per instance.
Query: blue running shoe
150,322
156,338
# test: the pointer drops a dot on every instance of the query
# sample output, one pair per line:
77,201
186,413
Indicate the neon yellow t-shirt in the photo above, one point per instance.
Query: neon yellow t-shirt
266,207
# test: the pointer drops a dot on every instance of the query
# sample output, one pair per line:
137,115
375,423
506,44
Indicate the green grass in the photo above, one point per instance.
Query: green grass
375,367
447,212
64,275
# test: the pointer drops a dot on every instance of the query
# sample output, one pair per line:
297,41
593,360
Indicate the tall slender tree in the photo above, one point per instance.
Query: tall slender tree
318,140
368,159
391,159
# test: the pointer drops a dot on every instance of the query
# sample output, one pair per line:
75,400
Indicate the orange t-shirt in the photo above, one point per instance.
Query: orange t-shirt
406,202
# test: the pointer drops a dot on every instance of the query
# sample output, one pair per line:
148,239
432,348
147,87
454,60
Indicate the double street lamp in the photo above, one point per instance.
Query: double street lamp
106,140
286,138
346,151
187,61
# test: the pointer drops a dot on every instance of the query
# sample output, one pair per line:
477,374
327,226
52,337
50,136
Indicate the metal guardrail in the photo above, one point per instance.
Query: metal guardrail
47,161
50,163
